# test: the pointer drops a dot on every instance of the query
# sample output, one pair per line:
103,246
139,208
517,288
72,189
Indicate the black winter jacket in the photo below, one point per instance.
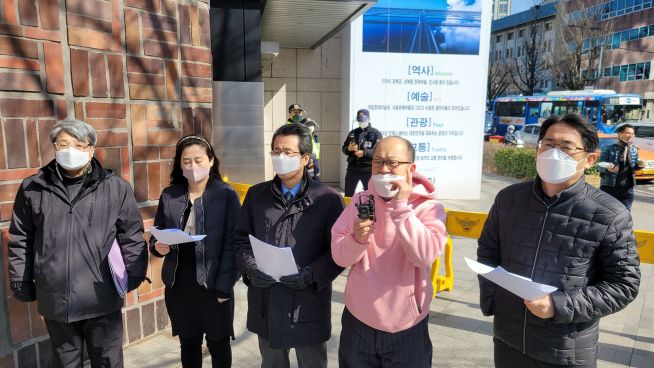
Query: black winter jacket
366,139
63,245
581,242
285,317
216,213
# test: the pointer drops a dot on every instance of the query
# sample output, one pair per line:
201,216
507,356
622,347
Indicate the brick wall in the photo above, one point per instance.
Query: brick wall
140,72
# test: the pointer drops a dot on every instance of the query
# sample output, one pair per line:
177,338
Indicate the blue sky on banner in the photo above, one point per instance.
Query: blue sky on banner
469,5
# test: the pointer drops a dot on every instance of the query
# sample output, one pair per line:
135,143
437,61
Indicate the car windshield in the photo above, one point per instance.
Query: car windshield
645,132
618,114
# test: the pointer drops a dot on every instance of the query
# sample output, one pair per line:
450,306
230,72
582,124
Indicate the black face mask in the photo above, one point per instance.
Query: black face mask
362,118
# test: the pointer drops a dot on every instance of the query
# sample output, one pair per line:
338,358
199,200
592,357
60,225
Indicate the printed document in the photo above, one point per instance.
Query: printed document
273,261
174,236
518,285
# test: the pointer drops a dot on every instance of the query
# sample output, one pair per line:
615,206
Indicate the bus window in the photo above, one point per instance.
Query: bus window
512,109
613,115
591,111
545,109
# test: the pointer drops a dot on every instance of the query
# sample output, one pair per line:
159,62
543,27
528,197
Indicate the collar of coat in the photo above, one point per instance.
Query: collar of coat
180,191
97,173
302,196
561,196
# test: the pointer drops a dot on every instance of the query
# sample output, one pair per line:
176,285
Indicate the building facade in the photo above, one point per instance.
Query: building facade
628,50
511,36
501,8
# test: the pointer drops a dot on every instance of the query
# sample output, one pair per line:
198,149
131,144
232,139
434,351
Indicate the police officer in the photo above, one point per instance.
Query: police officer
358,148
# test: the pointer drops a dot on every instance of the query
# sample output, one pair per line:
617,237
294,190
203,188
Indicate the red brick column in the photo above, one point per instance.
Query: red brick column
140,72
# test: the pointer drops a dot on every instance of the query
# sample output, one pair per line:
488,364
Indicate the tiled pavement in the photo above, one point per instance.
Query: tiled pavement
461,336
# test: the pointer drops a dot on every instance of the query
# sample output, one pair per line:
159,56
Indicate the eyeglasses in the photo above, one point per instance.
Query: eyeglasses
287,153
60,146
567,147
391,164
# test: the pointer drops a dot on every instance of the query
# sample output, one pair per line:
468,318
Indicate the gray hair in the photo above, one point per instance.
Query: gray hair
80,130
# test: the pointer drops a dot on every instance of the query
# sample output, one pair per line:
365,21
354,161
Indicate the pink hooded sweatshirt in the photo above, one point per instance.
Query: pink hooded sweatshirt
388,286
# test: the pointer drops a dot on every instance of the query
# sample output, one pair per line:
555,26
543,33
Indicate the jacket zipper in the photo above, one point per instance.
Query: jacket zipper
181,216
533,268
204,246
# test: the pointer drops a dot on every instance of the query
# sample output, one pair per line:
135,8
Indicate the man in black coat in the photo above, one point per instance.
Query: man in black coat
290,211
560,231
65,220
358,147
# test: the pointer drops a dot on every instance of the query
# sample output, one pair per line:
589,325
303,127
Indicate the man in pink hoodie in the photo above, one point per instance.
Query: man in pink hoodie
388,288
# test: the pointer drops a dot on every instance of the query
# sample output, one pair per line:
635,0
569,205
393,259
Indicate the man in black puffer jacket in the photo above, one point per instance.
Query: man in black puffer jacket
65,220
558,230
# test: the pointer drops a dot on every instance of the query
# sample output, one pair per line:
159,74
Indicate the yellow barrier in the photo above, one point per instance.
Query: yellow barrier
645,245
469,225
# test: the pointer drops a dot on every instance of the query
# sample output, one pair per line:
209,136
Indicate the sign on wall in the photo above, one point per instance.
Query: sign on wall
420,67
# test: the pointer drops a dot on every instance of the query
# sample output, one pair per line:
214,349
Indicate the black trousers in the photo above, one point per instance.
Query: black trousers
626,196
312,356
362,346
103,337
508,357
221,352
352,178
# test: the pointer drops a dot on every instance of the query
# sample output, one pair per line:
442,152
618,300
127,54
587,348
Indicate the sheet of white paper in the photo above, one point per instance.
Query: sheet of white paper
273,261
518,285
174,236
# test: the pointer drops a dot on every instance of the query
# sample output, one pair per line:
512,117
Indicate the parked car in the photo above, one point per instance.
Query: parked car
529,135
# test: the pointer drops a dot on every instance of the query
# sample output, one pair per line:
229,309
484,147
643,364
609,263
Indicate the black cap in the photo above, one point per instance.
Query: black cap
294,107
364,111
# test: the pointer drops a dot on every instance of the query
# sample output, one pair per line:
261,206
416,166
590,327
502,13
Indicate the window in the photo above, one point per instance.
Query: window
545,109
616,40
633,34
640,71
651,30
616,71
519,50
514,109
631,72
646,70
498,38
642,32
607,72
623,73
548,26
509,36
521,33
585,46
507,53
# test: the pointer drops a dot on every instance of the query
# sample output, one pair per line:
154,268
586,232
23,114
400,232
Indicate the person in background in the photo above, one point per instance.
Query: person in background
389,290
358,148
200,276
295,114
290,211
65,220
510,138
313,167
617,165
558,230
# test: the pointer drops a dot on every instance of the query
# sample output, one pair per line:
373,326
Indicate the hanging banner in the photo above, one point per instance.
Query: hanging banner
420,67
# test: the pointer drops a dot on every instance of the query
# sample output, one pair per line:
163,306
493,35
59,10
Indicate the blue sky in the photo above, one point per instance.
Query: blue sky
520,5
468,5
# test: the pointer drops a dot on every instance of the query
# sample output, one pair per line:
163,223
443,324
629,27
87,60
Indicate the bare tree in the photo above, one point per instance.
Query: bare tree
499,80
581,37
531,67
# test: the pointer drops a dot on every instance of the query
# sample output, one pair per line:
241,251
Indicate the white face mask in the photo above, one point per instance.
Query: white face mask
71,158
284,165
383,184
555,166
196,173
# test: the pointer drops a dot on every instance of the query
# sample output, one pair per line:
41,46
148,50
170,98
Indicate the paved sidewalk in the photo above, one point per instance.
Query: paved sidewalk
461,336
